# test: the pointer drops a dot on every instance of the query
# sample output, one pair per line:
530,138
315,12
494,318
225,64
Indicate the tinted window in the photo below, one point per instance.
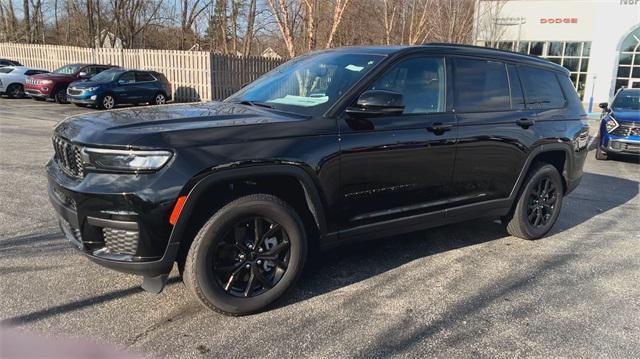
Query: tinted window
421,81
127,77
144,76
541,88
480,85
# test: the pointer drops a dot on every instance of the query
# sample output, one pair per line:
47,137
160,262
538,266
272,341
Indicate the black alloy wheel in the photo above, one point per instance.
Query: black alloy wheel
251,257
542,201
538,206
246,256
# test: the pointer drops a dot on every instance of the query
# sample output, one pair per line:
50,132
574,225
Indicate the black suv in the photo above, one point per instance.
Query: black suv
334,146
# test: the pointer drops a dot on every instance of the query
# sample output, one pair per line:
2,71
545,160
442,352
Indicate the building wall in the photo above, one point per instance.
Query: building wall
604,23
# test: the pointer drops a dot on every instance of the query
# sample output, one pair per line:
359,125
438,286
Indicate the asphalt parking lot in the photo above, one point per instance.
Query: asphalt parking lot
462,290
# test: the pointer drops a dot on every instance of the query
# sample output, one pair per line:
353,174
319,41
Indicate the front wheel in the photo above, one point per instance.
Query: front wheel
107,102
600,154
247,255
539,204
60,96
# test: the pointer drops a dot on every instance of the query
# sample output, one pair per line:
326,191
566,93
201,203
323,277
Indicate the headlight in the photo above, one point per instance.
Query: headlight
91,88
125,160
611,124
45,82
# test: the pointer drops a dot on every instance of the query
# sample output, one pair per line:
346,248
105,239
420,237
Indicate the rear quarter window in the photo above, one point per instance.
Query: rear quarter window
5,70
480,85
541,88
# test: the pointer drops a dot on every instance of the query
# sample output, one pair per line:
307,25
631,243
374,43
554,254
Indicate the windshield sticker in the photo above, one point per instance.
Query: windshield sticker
354,68
301,100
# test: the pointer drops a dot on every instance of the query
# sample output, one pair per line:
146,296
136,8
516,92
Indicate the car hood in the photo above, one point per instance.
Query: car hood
85,83
52,76
626,116
177,125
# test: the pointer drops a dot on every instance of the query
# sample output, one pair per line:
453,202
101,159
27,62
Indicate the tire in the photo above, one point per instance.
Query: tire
601,155
159,99
546,208
15,91
60,95
222,231
106,102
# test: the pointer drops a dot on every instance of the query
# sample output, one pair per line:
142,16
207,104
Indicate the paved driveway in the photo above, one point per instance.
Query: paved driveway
462,290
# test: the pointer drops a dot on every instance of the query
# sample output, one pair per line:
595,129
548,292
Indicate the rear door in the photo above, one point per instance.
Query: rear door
495,129
400,165
147,85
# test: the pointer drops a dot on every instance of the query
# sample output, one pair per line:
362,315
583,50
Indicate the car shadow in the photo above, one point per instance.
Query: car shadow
353,263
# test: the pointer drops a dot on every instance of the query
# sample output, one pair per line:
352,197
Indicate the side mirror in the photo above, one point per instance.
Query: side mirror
83,75
604,106
377,103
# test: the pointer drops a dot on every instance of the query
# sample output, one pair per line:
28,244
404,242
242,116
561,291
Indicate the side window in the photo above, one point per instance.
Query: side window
421,81
144,77
480,85
541,88
127,78
517,98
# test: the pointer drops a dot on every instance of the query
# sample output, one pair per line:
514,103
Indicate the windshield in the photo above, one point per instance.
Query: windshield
308,85
106,76
68,69
627,101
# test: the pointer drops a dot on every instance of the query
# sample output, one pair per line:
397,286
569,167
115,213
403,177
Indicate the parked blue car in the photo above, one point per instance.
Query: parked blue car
620,125
120,86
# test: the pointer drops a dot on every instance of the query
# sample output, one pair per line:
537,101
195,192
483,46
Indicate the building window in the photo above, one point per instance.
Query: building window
574,56
628,74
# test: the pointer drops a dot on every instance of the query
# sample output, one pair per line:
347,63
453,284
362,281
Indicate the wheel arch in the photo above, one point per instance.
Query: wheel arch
556,154
207,185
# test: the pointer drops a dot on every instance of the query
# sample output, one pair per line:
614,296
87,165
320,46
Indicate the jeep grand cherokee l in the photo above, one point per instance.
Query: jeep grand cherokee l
334,146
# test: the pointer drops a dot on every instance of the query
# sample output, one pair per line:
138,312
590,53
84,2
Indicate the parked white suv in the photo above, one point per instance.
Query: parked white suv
12,79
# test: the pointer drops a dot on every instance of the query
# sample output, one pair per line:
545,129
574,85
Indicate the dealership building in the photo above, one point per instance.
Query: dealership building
597,41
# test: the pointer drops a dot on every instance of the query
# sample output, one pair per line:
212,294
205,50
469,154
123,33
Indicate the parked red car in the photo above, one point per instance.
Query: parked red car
53,85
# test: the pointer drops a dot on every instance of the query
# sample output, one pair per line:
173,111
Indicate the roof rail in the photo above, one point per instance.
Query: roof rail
484,48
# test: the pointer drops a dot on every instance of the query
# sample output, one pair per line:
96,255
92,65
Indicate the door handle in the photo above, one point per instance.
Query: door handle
525,122
439,128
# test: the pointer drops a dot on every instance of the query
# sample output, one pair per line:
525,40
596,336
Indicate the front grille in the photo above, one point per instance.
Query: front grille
120,240
627,129
74,91
68,156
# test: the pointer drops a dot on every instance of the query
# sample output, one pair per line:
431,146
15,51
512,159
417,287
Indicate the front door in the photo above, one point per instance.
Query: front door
127,90
401,165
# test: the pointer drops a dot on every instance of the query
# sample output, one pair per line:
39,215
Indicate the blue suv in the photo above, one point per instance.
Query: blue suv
120,86
620,125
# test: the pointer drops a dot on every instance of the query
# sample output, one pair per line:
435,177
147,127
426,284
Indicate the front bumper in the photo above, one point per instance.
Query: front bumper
38,91
623,145
83,101
120,231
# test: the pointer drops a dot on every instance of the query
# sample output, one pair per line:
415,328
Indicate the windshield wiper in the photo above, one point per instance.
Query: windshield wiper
254,103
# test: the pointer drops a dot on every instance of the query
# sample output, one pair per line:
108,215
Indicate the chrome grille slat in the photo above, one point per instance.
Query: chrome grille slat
68,156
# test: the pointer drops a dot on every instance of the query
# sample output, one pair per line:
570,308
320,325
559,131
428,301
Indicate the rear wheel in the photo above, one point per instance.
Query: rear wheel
247,255
60,96
159,99
107,102
539,204
15,91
